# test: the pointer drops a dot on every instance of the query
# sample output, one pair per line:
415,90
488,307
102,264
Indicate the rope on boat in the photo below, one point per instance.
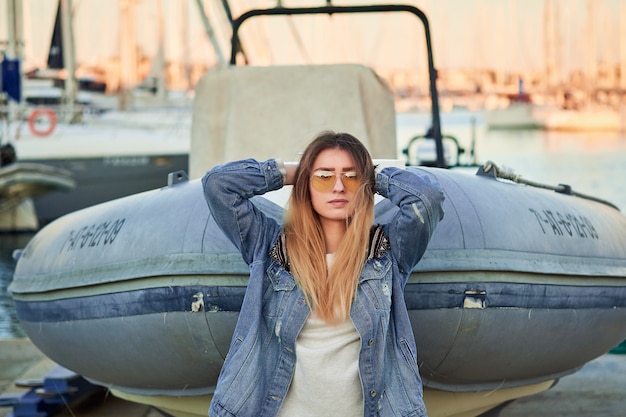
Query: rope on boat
508,174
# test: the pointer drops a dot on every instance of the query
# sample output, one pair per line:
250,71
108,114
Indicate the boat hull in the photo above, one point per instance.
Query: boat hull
110,155
20,182
101,179
518,287
515,116
438,403
527,340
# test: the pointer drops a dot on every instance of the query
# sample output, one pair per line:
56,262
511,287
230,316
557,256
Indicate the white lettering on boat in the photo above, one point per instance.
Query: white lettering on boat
127,161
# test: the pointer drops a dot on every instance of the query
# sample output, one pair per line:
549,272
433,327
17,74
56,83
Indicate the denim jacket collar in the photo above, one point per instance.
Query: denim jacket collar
378,246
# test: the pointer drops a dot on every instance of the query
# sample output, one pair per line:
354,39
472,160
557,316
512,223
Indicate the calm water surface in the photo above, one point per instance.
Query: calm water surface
591,163
9,326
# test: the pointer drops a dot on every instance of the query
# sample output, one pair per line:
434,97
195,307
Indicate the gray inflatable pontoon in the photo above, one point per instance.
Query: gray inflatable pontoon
519,285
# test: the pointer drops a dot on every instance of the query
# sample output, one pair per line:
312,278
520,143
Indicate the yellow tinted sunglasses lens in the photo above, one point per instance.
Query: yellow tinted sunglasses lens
324,181
351,181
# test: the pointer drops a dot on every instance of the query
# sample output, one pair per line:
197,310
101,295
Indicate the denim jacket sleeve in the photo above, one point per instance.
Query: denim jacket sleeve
420,199
228,189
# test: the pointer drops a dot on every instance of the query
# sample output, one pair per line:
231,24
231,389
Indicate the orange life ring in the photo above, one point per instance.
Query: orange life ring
42,112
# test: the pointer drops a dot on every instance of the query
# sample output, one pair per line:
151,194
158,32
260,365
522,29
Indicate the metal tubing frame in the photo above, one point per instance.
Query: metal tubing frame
330,10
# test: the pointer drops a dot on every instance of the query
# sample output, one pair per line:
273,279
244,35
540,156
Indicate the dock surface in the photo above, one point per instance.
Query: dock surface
598,389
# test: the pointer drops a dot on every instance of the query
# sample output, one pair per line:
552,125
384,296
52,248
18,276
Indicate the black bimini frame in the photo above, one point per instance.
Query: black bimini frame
330,10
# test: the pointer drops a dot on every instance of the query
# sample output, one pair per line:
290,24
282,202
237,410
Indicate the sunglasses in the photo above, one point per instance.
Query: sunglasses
324,181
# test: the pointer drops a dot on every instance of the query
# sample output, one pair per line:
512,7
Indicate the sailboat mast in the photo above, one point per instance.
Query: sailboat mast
128,53
211,34
159,61
15,30
15,48
67,31
622,47
549,45
591,67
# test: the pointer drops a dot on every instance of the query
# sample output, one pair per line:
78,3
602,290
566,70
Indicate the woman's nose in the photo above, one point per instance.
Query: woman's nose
339,187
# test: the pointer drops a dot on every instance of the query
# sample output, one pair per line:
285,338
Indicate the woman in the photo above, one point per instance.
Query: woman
323,329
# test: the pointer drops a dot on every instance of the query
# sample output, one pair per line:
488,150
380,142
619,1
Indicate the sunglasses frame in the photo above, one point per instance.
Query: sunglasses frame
325,181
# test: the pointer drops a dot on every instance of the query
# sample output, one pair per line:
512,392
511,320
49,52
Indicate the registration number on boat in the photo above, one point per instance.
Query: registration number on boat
565,224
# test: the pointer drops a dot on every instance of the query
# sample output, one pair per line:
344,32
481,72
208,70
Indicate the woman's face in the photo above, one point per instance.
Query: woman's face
334,179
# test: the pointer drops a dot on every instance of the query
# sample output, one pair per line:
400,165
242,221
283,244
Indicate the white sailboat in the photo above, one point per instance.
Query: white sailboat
111,153
565,114
588,115
21,182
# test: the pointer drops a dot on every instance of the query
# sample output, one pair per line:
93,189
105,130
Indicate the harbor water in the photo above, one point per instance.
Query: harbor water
592,163
9,325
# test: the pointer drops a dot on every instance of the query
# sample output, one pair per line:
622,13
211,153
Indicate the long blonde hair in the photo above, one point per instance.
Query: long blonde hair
329,291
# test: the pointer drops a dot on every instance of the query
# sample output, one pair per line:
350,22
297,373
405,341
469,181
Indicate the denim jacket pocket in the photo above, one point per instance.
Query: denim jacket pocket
403,394
409,355
388,406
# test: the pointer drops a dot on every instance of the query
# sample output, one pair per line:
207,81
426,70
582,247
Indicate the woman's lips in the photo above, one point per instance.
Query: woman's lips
338,202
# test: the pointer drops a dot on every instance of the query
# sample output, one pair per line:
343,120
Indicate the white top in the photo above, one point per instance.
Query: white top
326,380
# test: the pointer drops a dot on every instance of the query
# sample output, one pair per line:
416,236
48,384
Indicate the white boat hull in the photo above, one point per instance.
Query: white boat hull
110,155
585,120
22,182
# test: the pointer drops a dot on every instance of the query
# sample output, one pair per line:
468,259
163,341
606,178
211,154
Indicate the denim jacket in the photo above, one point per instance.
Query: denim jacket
260,363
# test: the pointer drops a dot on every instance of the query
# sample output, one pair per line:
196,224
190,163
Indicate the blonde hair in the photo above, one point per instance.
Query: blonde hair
329,291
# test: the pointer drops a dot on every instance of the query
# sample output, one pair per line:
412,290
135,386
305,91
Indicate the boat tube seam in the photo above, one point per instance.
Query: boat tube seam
204,265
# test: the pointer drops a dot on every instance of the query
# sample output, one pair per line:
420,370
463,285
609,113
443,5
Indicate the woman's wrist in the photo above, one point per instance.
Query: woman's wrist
290,172
281,168
287,170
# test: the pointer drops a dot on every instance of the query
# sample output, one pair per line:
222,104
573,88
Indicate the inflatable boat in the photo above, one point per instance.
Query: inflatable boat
519,286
